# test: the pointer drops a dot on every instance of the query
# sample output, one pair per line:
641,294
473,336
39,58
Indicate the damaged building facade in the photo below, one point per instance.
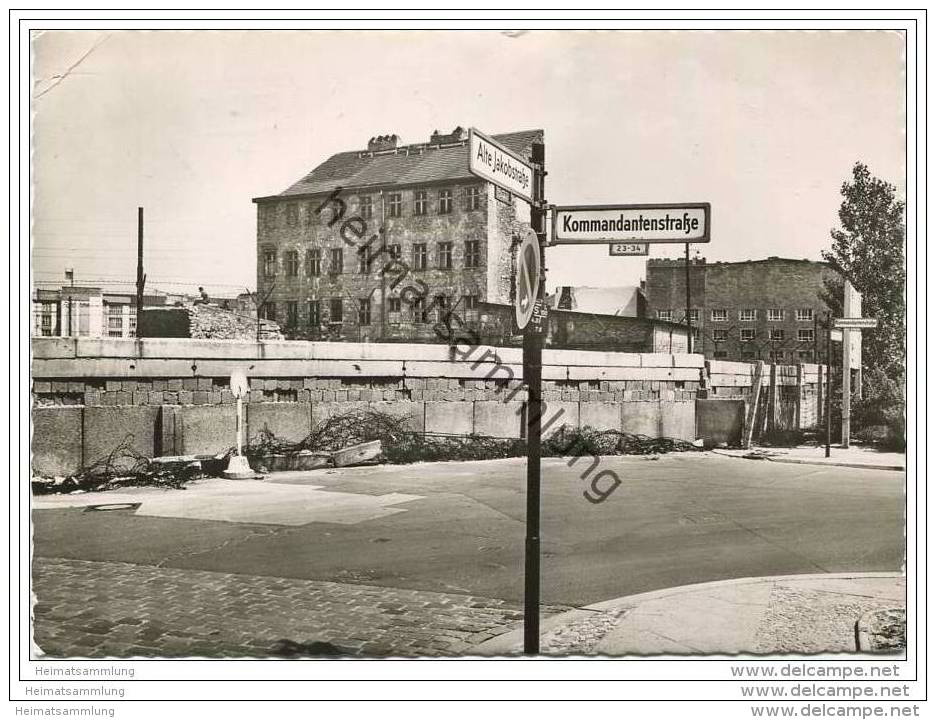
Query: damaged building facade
446,230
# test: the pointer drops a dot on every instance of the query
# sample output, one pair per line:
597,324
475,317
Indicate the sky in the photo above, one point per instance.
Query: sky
192,125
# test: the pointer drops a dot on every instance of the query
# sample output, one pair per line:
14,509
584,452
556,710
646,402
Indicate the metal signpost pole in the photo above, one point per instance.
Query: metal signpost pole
688,305
532,376
828,412
846,387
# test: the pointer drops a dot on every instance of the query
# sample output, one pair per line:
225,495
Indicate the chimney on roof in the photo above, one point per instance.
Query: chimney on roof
457,135
383,142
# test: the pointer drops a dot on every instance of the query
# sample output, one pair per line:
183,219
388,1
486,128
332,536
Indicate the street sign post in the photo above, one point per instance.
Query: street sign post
238,468
623,249
661,223
533,378
851,325
491,161
525,178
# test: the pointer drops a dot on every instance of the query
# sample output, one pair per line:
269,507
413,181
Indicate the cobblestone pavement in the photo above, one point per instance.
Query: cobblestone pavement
109,609
581,636
801,620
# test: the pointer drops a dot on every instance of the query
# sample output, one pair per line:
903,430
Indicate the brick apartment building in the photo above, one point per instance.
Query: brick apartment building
449,229
752,310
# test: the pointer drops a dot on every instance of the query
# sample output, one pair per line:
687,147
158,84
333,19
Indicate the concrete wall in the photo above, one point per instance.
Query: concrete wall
172,396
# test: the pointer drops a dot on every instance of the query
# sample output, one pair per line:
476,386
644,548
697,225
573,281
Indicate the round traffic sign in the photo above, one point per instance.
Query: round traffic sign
239,385
529,267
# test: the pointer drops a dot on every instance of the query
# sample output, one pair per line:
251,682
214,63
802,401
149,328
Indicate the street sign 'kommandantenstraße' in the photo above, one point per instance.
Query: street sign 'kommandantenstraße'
670,223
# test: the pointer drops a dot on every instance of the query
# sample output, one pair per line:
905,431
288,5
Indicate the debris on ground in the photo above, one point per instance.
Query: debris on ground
353,438
122,467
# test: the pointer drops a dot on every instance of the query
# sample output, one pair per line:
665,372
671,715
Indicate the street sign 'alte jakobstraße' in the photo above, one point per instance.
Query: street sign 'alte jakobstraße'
491,161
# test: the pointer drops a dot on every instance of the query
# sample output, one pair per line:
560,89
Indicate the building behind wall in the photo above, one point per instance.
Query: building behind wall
453,235
83,311
769,309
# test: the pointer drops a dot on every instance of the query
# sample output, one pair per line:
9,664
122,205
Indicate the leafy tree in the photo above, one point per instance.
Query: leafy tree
868,250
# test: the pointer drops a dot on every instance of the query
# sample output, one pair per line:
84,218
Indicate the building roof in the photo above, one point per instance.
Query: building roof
600,300
406,165
680,262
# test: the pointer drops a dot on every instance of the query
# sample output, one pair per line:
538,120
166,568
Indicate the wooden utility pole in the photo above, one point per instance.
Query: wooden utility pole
141,278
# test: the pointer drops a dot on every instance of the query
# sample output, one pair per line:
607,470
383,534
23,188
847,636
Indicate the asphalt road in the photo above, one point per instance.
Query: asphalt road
676,520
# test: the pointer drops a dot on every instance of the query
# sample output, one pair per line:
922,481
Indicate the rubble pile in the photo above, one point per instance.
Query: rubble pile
208,321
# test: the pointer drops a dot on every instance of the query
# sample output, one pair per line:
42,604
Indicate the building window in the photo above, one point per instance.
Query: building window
314,262
268,311
445,202
393,304
747,334
719,335
394,251
470,302
776,356
804,315
367,207
420,202
292,214
805,355
395,204
47,319
292,313
445,256
420,314
774,315
805,335
292,263
336,311
132,322
420,256
747,315
363,315
719,316
694,316
472,254
666,315
315,316
776,334
269,263
442,303
364,261
337,261
474,197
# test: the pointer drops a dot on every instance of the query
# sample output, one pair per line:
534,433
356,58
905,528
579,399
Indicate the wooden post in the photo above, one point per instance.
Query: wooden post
819,397
799,397
141,278
752,406
771,418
